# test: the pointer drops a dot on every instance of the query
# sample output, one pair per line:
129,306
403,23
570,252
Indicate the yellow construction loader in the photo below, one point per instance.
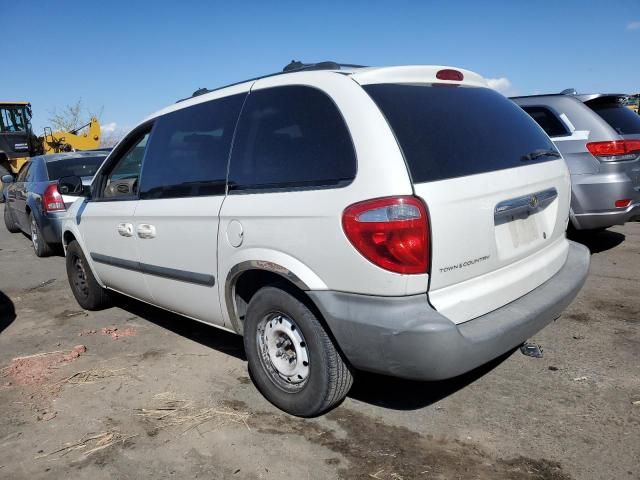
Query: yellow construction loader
18,143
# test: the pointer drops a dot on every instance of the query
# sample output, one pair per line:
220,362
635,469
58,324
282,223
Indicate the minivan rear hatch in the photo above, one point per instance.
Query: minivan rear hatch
496,189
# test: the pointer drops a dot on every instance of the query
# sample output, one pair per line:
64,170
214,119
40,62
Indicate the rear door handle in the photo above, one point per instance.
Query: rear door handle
125,229
146,231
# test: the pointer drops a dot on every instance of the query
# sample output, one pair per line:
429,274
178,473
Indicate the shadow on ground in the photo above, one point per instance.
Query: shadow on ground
398,394
201,333
597,242
7,311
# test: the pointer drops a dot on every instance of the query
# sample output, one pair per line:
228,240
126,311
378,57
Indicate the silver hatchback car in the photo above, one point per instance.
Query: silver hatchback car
600,140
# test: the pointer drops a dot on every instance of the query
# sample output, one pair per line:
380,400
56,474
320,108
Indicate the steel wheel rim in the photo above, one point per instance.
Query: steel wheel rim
34,234
79,276
283,351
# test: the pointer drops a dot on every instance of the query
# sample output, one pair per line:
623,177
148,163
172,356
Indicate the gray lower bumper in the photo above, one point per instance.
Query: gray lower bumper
593,220
405,337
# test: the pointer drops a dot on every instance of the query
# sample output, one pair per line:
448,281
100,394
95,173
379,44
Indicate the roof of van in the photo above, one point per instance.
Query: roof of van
409,74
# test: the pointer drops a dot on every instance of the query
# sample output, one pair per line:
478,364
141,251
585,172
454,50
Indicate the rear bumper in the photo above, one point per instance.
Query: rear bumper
51,227
593,220
593,198
405,337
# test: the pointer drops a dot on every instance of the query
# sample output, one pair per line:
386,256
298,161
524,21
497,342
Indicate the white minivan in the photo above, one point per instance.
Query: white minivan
403,220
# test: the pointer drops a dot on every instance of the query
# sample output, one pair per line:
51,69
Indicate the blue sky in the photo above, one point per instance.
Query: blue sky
133,57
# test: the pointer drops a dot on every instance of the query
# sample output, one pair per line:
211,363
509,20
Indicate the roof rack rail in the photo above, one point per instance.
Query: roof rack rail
297,66
293,66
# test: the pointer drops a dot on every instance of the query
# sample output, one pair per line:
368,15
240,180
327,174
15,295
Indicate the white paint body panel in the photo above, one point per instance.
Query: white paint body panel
99,230
463,229
186,231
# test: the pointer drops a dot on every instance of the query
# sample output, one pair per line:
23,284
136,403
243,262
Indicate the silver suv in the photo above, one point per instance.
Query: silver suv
359,218
600,140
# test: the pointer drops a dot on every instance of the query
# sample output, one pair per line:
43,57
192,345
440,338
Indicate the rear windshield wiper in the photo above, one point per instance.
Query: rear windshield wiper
540,153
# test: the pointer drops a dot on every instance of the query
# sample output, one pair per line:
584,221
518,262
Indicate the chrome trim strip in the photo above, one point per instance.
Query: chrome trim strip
525,204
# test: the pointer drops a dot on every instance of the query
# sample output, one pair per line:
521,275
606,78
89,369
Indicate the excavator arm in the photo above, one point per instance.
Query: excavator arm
59,141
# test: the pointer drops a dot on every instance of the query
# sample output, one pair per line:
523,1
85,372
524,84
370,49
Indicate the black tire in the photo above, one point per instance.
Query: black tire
3,172
9,222
327,377
87,291
40,246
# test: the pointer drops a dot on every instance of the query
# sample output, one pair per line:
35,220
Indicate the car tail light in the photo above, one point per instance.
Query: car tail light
392,233
52,200
615,150
450,74
624,203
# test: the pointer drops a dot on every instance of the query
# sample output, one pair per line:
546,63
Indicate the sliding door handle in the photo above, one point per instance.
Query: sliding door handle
146,231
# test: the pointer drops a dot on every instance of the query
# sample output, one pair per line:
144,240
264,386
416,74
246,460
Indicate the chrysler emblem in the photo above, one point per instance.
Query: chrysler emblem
533,201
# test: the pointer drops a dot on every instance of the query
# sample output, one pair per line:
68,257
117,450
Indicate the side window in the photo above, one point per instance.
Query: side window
189,150
23,172
548,120
291,136
122,180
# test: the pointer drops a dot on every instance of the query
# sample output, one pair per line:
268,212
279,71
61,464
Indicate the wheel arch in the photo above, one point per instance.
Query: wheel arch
247,277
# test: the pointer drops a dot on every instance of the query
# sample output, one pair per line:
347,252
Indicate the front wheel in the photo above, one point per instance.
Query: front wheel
9,222
3,171
88,292
292,359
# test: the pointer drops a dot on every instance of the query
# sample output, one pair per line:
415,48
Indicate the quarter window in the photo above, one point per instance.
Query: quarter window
189,150
123,179
291,136
548,121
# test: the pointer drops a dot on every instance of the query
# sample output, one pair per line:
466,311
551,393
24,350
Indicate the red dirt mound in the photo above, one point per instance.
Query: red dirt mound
36,369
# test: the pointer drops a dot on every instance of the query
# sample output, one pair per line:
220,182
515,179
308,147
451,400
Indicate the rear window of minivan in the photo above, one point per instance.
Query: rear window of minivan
448,131
619,117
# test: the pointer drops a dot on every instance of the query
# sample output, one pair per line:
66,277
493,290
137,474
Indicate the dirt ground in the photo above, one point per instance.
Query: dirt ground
160,396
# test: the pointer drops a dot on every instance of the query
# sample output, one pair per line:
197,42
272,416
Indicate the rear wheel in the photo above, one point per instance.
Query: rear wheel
40,246
292,359
88,292
9,222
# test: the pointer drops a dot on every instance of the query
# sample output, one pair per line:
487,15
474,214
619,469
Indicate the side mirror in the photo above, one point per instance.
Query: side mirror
71,185
7,179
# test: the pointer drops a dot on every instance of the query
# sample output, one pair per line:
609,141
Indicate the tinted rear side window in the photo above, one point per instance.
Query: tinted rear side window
548,121
291,136
188,150
79,167
621,118
448,132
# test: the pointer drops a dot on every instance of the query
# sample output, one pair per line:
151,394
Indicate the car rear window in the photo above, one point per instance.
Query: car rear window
79,167
619,117
452,131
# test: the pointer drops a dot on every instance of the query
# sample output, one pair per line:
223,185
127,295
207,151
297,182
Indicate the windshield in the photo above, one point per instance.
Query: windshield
13,119
79,167
448,132
622,119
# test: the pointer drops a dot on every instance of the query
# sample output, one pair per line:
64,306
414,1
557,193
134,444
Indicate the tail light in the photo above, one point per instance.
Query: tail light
615,150
392,233
52,200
